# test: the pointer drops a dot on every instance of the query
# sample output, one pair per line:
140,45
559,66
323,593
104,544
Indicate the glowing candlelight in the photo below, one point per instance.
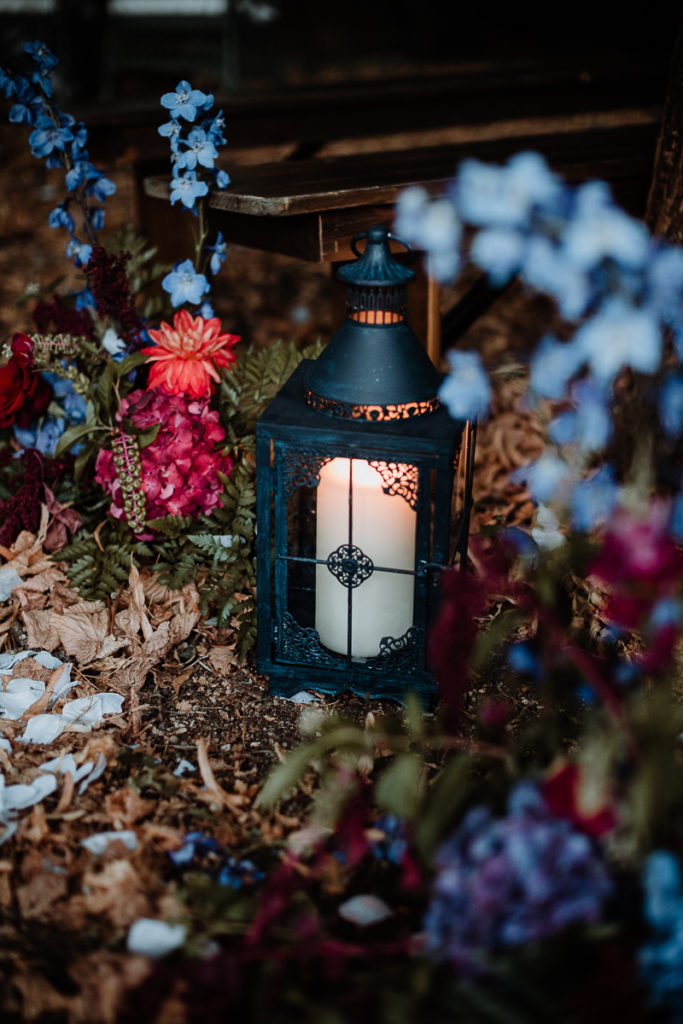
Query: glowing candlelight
382,527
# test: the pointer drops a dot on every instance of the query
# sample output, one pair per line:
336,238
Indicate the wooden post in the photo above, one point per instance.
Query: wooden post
664,215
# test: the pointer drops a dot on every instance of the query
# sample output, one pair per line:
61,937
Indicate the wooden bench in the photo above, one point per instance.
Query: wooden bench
373,140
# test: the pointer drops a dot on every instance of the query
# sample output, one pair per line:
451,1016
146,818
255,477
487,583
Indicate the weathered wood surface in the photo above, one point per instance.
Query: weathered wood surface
312,208
665,202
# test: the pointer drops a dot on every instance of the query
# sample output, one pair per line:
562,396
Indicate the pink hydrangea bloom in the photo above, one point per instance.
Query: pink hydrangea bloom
180,468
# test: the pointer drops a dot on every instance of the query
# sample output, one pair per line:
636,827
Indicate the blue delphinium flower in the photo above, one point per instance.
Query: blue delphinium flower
589,424
187,188
546,267
466,390
200,150
432,226
594,499
393,843
671,405
504,196
235,873
553,364
61,142
661,959
620,335
499,252
546,478
598,230
219,253
186,101
184,284
511,880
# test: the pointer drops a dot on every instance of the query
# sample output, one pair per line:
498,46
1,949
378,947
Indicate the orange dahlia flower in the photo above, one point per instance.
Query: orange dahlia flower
187,356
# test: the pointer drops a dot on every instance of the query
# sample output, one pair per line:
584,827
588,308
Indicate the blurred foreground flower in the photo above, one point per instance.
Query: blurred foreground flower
507,881
188,355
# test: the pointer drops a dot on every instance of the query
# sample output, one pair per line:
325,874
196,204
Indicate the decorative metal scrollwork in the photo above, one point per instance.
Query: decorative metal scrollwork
352,411
301,468
350,565
399,478
399,654
302,644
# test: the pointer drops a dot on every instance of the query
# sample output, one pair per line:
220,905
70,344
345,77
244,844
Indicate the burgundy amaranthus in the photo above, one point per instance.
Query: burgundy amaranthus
22,510
57,318
180,468
108,281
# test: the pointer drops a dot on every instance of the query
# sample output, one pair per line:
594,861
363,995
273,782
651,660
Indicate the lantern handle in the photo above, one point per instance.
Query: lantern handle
386,236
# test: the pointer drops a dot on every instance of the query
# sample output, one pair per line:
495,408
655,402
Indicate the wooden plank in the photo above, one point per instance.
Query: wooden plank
312,186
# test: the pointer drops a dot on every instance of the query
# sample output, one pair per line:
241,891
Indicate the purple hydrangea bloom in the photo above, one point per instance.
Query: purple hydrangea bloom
511,880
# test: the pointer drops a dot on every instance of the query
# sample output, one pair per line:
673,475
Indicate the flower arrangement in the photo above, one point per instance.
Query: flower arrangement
456,866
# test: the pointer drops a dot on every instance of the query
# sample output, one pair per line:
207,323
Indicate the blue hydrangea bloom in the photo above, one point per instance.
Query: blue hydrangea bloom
594,499
187,189
661,959
184,284
552,365
44,436
511,880
620,335
466,391
671,405
186,101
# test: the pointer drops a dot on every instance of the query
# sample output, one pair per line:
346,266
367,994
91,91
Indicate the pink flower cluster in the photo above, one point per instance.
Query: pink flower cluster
180,468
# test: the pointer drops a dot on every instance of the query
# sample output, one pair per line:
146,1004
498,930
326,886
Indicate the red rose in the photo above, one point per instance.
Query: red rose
18,381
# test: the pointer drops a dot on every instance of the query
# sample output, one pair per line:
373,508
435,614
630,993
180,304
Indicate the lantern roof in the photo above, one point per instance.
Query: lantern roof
375,266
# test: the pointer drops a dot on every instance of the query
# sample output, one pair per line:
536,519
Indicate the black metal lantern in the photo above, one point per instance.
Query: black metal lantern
357,503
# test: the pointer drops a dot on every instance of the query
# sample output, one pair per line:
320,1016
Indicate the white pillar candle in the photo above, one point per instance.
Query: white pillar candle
383,527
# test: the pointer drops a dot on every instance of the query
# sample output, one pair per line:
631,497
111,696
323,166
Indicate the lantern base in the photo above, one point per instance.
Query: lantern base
288,683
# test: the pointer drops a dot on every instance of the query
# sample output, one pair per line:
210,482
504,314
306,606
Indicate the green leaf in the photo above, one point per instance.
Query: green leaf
497,632
130,363
401,786
285,776
105,384
149,436
70,436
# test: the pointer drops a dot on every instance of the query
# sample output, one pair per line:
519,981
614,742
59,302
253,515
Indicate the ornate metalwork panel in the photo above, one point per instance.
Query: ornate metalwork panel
399,478
350,565
351,411
301,468
302,644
